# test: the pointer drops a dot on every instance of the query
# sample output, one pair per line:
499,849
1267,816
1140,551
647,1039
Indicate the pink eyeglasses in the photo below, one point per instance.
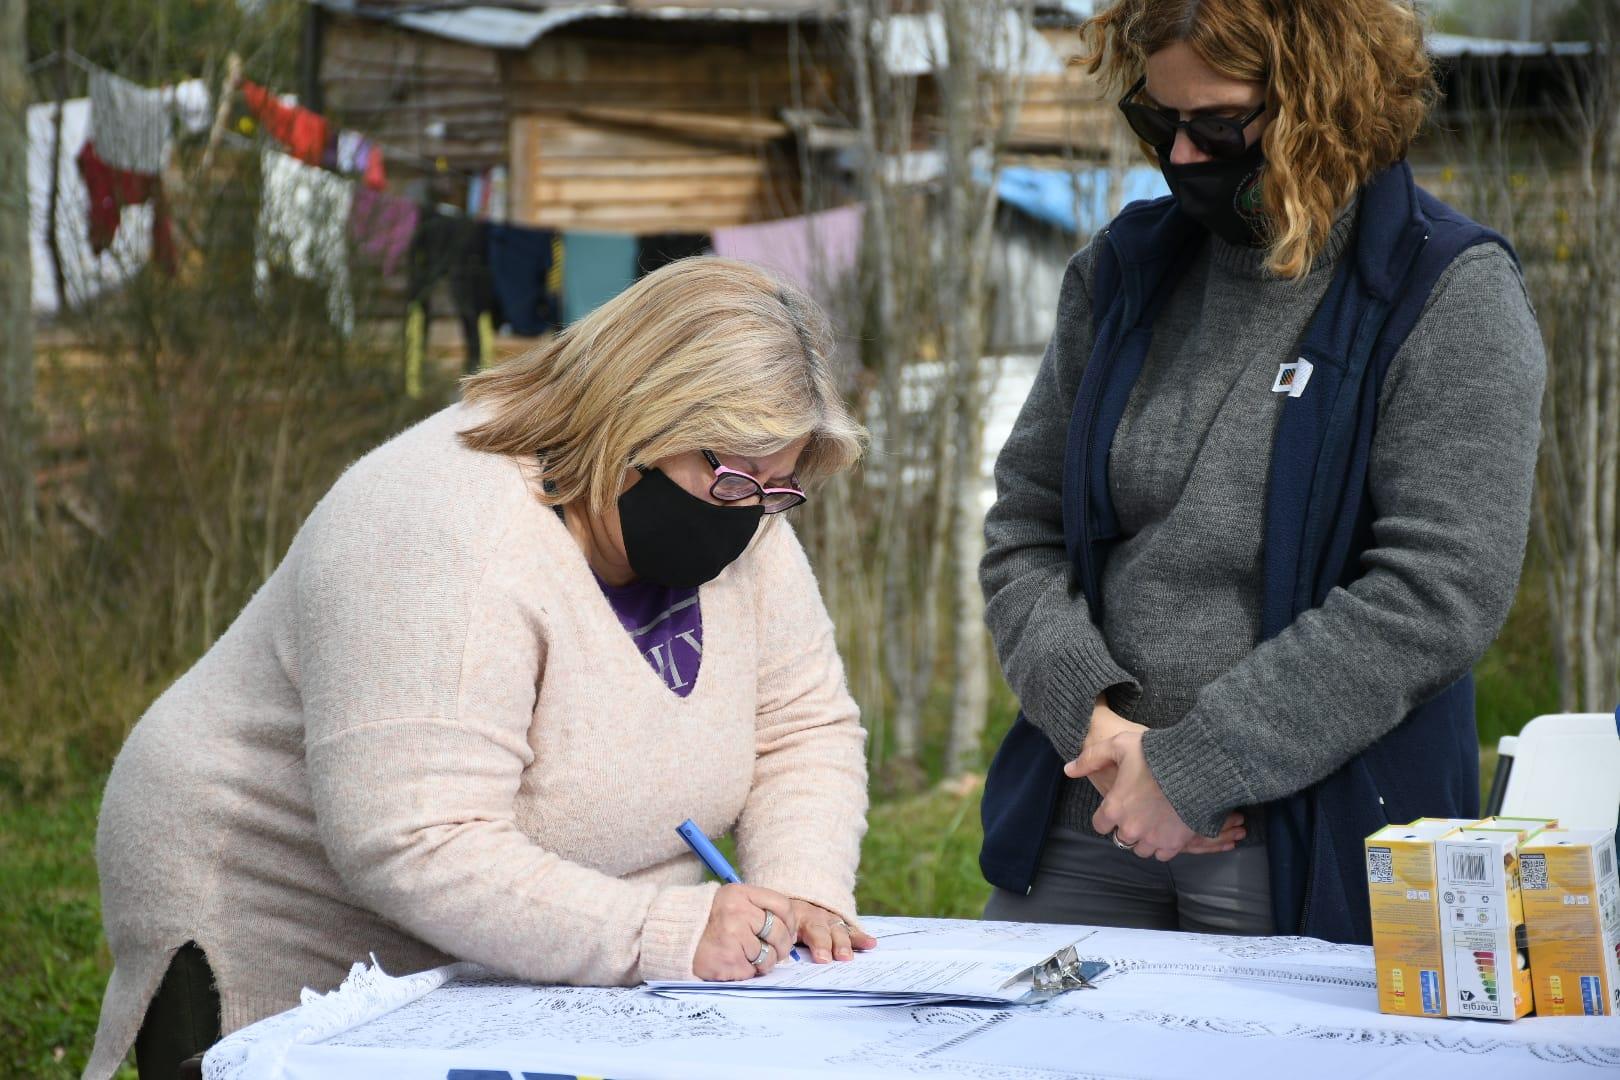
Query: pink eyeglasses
733,485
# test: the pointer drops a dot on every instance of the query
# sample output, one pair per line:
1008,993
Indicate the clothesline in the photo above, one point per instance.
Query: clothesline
78,60
315,217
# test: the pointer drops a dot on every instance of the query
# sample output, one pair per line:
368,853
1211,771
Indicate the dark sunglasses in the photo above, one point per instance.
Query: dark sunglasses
1217,136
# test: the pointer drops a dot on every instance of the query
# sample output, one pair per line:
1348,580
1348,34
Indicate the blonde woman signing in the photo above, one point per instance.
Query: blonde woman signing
1266,504
508,653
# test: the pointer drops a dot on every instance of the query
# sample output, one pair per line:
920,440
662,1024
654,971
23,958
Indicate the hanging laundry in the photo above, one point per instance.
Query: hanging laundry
381,226
495,195
457,248
597,267
661,249
372,172
129,124
302,132
346,152
303,215
110,190
520,261
191,104
356,155
53,163
814,251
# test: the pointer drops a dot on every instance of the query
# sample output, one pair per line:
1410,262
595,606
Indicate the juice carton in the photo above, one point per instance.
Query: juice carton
1572,910
1483,944
1406,917
1526,826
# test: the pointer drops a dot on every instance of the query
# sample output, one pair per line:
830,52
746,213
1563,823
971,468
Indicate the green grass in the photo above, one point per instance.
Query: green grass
921,855
1517,680
54,962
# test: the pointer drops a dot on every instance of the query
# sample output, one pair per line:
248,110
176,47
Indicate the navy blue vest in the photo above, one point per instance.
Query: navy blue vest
1318,522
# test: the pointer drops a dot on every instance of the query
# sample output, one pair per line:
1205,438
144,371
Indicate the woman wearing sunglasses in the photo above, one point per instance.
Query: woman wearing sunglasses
1266,504
507,654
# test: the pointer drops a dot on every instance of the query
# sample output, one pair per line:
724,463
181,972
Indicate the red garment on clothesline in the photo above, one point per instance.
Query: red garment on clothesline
302,132
375,177
113,189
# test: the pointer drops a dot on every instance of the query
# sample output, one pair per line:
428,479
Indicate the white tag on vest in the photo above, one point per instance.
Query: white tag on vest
1291,378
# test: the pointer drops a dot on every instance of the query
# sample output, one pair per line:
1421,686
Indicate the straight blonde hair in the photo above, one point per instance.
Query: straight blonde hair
704,353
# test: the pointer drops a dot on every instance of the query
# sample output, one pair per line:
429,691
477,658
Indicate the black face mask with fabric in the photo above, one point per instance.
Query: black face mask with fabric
1222,195
674,538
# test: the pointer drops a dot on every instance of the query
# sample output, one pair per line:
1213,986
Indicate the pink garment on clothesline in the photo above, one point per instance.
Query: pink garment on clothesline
813,251
382,225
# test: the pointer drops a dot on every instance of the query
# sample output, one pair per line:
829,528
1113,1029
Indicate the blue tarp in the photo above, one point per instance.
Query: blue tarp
1075,201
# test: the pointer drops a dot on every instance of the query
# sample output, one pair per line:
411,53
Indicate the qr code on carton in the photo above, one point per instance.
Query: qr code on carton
1533,871
1380,866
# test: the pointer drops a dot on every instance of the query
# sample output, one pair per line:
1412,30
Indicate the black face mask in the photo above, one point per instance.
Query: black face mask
1222,195
674,538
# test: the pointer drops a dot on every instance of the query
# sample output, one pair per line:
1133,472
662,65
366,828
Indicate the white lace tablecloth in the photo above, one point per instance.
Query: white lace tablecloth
1171,1005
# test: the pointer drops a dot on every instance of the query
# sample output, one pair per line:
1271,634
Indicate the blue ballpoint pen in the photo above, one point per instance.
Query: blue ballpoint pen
700,843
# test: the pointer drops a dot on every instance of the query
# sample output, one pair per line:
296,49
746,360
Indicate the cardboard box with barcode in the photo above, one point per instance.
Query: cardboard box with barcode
1402,887
1484,948
1572,910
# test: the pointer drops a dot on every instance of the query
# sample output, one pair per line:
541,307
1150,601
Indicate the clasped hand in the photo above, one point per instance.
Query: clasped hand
1134,807
732,941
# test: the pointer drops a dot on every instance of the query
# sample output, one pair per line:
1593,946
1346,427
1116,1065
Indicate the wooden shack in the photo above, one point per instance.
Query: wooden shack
632,117
617,117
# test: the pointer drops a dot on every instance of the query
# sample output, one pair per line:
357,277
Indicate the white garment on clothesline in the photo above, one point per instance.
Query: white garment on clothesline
303,222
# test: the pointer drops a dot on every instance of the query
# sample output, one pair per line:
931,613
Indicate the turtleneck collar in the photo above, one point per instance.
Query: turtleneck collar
1250,262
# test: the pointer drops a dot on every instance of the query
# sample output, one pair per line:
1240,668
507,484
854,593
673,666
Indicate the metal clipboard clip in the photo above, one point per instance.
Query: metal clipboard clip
1059,973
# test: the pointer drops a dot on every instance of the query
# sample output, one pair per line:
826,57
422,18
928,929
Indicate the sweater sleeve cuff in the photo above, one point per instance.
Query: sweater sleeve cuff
1196,774
1078,674
675,921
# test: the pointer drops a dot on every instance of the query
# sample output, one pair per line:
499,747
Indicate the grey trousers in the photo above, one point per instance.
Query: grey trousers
1084,878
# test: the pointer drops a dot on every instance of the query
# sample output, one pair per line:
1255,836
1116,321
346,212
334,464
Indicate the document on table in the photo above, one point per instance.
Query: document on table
1172,1005
992,963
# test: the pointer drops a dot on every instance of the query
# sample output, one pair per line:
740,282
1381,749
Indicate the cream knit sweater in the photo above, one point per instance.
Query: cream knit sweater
427,736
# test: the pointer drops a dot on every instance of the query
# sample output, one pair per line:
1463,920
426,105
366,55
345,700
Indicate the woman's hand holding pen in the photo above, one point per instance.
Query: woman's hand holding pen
750,929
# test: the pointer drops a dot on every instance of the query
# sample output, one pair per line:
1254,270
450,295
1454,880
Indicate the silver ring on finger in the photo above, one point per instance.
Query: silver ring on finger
764,932
764,951
1121,844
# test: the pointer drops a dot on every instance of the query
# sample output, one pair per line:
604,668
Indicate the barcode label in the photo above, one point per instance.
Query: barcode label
1605,862
1533,871
1380,866
1471,867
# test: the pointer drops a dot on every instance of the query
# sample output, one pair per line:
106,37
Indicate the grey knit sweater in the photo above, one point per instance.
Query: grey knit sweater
1236,723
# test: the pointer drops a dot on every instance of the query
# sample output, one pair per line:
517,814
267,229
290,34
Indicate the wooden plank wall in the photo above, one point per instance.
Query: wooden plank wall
569,171
423,94
575,175
1067,114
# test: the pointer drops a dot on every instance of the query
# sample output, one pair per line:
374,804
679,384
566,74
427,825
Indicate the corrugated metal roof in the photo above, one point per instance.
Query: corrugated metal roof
1450,46
498,28
495,27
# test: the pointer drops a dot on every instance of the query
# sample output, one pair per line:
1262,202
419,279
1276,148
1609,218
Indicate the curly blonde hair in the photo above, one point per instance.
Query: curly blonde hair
1348,85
